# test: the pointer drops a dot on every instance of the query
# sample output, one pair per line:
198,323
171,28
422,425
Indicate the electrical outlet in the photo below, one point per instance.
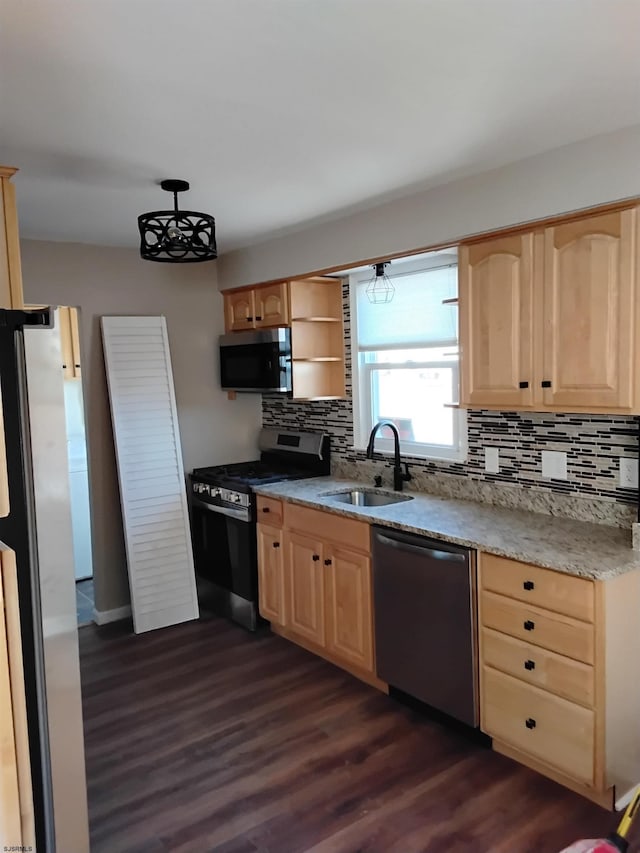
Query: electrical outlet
554,464
628,473
491,460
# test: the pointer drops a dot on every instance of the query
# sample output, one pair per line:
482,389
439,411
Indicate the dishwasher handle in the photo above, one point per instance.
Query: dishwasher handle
436,554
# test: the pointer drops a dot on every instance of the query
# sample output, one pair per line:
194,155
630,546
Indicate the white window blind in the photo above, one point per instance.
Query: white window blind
405,358
150,471
415,316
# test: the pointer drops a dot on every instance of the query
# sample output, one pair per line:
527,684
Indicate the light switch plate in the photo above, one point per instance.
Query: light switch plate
628,473
491,460
554,464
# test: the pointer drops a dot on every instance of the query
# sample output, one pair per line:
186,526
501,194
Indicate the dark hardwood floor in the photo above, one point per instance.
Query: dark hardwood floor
203,737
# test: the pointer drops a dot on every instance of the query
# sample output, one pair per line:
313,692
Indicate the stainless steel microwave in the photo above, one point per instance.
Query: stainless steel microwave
257,360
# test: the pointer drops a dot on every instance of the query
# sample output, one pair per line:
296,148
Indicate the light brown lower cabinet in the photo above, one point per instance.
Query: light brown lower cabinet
556,692
4,476
348,618
271,597
314,578
16,799
9,791
304,583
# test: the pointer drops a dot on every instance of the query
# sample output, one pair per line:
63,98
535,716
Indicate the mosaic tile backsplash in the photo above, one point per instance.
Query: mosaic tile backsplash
593,444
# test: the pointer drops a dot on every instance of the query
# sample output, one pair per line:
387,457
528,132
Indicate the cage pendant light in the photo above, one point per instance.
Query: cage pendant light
380,289
177,236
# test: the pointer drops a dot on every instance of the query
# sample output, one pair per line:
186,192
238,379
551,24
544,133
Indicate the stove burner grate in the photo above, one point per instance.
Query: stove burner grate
247,473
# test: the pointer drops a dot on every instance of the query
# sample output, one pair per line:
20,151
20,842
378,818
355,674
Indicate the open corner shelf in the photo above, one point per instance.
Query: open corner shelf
318,378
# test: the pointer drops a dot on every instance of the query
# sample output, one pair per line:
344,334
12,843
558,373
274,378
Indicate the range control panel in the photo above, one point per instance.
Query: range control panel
217,494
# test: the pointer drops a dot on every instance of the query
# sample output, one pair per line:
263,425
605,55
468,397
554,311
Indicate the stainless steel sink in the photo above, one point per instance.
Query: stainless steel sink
368,497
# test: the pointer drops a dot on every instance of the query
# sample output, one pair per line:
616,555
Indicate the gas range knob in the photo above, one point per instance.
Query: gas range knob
235,498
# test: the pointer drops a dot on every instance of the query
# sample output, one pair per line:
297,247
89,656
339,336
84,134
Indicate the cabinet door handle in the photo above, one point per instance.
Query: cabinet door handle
315,558
265,509
258,318
327,562
528,585
276,544
529,664
529,625
546,383
249,319
523,384
530,723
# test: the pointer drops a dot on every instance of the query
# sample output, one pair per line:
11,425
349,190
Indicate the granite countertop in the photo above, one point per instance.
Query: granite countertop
576,547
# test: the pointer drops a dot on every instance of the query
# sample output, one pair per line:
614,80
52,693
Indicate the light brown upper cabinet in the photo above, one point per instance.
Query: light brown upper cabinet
10,291
496,310
256,308
586,278
312,308
239,311
70,340
271,305
10,270
547,317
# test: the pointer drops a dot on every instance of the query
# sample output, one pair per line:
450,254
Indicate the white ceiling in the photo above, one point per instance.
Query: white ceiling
285,112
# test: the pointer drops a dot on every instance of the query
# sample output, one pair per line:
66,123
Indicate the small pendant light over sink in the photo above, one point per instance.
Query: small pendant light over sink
177,236
380,289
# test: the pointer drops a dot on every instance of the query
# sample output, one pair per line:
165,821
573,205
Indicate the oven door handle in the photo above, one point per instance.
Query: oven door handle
241,513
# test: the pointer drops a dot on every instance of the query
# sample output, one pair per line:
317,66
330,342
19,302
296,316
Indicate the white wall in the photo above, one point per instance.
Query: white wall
213,429
602,169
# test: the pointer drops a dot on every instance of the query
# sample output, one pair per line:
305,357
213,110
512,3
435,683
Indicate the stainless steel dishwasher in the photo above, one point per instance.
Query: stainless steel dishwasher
425,620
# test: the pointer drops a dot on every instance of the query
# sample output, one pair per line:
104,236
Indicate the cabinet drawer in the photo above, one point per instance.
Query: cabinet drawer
328,526
545,669
539,627
269,511
543,725
542,587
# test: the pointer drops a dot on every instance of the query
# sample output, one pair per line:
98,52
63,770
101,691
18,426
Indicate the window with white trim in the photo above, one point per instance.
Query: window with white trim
405,359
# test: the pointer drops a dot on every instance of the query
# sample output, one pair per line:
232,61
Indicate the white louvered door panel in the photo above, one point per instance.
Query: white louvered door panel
150,471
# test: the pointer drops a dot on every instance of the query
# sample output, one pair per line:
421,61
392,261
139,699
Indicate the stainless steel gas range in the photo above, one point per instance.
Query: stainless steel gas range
223,517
